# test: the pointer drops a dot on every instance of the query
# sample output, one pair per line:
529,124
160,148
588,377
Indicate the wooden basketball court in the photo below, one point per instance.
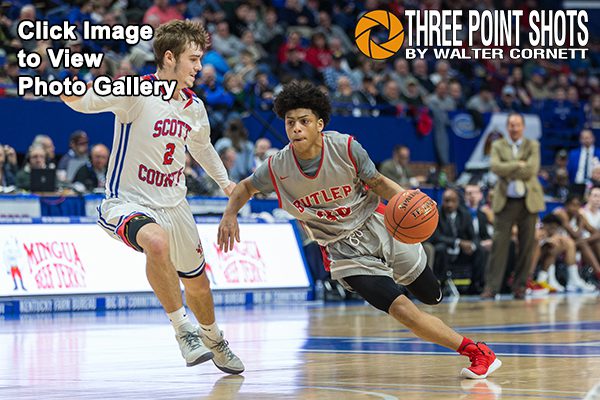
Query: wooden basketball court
550,348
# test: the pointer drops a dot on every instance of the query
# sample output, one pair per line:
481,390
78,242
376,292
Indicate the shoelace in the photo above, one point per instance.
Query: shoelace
478,358
191,339
223,347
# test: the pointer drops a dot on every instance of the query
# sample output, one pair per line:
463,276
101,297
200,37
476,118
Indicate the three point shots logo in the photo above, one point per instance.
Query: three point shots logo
366,44
475,34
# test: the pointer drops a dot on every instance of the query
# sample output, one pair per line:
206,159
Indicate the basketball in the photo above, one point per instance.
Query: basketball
411,216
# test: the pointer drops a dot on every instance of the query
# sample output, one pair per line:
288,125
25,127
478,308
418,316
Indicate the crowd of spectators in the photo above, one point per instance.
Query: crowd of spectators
259,45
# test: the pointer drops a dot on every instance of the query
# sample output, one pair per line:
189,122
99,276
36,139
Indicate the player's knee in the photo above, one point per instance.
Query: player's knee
404,310
155,242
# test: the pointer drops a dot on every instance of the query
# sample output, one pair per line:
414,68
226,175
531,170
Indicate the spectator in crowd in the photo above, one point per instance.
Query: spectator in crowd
552,244
586,237
397,168
332,73
318,54
560,115
28,13
440,103
10,160
391,102
456,93
517,200
163,11
345,100
246,68
592,113
509,101
76,157
226,44
455,242
261,91
582,160
548,174
559,187
7,178
368,96
235,87
250,44
482,228
420,73
294,41
296,68
46,142
236,138
537,86
411,95
401,74
591,211
442,73
483,102
261,151
332,31
270,33
194,181
295,13
92,175
516,80
216,98
35,159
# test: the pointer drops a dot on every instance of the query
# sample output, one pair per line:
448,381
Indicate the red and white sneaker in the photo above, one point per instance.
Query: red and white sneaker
483,361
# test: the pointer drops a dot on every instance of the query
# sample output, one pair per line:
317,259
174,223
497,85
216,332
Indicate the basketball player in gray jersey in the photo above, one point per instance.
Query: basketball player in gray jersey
320,179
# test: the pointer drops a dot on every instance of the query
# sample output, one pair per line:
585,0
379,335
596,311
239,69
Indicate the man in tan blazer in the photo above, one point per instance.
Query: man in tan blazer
518,198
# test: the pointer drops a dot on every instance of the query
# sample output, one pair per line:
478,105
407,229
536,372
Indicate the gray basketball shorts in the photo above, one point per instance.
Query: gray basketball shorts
184,242
371,250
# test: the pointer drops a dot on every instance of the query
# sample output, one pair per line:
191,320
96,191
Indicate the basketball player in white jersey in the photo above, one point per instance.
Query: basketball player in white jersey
145,205
320,179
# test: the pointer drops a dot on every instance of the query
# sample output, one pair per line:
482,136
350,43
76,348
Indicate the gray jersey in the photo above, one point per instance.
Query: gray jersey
333,202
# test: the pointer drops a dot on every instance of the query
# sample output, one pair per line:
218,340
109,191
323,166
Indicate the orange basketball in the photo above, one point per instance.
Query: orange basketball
411,216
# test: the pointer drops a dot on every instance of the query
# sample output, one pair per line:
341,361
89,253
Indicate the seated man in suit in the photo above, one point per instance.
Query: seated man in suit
455,242
582,160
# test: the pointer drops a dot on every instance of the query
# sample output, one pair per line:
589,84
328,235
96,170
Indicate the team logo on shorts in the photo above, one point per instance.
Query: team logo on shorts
199,249
371,20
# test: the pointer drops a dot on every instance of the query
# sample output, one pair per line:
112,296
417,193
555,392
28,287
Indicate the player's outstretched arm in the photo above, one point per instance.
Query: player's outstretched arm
383,186
229,230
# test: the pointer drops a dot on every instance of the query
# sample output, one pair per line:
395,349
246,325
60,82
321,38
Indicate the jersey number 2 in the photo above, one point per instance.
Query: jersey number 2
168,157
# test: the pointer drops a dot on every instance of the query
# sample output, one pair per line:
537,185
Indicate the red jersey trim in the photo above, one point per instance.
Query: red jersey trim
274,182
320,163
350,139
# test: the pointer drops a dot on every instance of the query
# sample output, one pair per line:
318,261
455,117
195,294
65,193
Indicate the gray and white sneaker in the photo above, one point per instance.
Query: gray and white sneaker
192,348
224,358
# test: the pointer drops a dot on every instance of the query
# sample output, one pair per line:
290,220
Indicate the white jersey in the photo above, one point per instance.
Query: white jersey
147,159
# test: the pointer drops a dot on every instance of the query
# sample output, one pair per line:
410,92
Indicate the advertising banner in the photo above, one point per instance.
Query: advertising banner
55,259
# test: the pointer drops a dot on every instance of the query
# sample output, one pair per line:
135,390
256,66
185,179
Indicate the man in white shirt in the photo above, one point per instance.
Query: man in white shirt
582,160
145,205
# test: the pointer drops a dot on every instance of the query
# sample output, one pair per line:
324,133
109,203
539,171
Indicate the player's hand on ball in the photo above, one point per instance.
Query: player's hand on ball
229,232
229,189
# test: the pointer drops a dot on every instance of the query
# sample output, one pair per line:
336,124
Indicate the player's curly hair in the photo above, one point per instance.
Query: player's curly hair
175,35
303,95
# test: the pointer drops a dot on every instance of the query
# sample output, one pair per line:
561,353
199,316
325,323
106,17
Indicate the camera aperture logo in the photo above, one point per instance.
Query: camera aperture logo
366,44
477,35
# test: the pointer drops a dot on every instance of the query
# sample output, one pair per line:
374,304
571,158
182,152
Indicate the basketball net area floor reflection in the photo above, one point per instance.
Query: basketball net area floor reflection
550,348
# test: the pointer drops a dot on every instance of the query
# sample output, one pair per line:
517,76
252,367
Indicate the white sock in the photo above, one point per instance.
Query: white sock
542,276
178,318
574,273
212,331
